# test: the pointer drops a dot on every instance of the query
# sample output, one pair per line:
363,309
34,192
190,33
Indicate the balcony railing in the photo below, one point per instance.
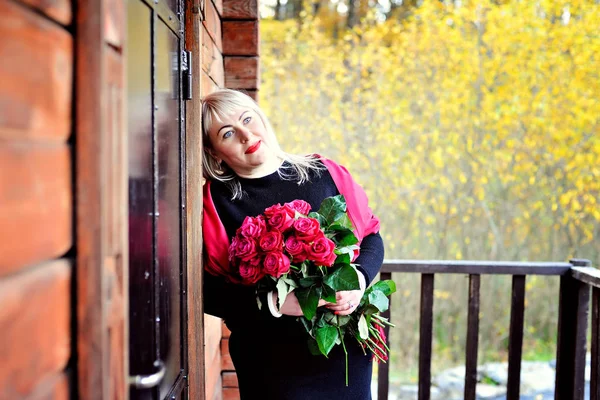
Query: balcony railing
576,278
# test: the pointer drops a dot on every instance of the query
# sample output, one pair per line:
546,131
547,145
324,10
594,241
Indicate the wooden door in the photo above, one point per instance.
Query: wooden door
156,143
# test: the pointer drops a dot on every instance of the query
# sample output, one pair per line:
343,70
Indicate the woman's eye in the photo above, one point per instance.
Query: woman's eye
227,134
247,120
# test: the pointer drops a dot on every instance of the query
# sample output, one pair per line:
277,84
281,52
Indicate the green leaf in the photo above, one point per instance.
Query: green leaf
308,325
387,287
344,239
313,347
308,298
304,269
326,337
342,259
379,300
363,328
344,221
343,278
328,294
332,208
342,320
283,289
308,281
346,249
318,217
290,282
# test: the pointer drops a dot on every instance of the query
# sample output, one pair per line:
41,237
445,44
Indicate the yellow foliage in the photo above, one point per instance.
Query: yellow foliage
479,121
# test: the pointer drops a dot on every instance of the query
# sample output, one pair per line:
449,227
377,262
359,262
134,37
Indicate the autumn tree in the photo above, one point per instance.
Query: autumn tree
474,128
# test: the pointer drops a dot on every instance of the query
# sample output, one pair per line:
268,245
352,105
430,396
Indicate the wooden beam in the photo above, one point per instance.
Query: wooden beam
35,204
35,335
58,10
36,75
240,38
240,9
193,207
242,72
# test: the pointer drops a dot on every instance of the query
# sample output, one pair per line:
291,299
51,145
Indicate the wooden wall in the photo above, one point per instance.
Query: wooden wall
230,41
62,210
101,200
36,198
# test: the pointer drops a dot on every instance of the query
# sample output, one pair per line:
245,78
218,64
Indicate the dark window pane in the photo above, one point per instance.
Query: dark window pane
169,200
142,348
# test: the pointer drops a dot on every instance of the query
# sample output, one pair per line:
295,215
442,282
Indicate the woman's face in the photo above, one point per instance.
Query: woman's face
239,141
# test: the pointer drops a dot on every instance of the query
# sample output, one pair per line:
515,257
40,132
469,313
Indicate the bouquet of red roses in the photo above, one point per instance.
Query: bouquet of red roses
289,248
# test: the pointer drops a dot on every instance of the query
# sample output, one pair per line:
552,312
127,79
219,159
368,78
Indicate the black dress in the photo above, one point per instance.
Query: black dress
270,354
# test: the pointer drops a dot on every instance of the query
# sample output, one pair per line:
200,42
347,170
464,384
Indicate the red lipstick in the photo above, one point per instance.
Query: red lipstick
253,148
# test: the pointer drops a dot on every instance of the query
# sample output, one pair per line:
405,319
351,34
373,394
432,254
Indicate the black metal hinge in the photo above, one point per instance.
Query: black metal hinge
186,74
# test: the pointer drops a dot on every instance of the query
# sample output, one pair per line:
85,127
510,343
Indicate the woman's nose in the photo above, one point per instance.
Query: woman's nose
245,134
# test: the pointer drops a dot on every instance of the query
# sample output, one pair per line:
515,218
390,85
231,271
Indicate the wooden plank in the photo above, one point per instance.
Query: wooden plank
35,315
193,209
515,339
230,379
571,346
114,23
35,204
226,362
218,4
589,275
212,23
477,267
213,376
92,351
595,362
240,9
35,103
58,10
231,394
242,72
240,38
253,94
425,336
383,370
207,84
54,388
472,338
212,336
212,60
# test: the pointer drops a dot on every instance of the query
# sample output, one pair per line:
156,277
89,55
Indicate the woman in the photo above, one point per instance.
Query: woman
247,172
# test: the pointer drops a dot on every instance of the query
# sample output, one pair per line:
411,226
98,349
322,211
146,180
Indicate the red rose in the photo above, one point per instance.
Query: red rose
271,241
276,264
299,205
252,227
274,209
321,251
296,248
280,218
307,229
243,248
251,271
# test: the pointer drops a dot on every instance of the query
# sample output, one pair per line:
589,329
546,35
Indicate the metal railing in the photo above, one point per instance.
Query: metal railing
576,279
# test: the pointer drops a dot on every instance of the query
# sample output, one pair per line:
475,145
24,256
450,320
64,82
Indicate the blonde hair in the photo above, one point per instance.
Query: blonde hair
225,102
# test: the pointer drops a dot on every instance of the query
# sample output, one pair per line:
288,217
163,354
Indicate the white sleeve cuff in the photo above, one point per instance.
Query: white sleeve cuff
272,307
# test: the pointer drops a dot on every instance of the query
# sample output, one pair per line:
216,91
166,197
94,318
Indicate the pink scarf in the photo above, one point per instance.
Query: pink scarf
216,242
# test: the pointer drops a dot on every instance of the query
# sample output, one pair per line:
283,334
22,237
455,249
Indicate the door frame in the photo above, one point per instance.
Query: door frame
100,326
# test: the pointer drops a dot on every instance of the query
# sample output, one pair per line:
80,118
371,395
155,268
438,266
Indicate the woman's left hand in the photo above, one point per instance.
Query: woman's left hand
348,300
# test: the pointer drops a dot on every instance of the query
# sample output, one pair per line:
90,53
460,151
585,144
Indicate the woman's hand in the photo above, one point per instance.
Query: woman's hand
291,306
347,301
